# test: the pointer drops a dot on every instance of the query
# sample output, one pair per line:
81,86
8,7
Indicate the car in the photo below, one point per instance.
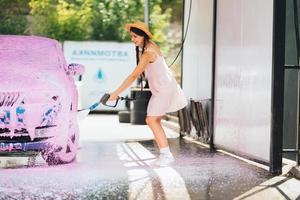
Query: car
38,99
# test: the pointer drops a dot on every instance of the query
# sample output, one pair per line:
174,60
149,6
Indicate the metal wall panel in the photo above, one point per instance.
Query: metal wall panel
290,83
197,56
243,77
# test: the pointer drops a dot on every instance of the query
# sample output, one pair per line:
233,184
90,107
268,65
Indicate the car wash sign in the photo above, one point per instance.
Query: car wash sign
100,54
107,64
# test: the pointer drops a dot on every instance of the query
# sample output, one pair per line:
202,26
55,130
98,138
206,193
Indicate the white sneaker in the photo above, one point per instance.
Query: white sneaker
163,160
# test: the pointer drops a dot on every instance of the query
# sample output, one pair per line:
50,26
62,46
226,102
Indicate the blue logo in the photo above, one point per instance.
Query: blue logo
99,76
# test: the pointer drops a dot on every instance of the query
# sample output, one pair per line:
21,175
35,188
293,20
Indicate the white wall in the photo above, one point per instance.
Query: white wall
197,56
243,76
243,71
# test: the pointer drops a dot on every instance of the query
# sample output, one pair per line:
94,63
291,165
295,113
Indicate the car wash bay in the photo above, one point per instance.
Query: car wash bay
113,159
112,163
251,76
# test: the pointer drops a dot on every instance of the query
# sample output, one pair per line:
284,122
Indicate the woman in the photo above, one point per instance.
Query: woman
166,97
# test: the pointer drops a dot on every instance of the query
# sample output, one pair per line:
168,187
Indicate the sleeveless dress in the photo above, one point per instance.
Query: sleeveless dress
167,96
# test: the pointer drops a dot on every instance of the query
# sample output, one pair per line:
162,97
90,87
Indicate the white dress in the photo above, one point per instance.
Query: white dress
167,96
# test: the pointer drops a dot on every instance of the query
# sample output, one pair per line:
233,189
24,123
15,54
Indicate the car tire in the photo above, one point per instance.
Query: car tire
52,159
67,154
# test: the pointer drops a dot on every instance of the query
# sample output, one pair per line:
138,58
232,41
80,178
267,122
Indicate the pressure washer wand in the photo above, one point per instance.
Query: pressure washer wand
106,96
81,114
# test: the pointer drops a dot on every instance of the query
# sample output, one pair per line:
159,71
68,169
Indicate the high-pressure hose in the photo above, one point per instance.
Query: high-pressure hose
186,30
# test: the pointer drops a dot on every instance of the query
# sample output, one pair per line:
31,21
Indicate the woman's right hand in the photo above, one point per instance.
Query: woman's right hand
113,97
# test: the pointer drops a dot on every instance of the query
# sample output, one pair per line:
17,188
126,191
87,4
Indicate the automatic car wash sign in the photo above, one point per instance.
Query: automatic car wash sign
107,64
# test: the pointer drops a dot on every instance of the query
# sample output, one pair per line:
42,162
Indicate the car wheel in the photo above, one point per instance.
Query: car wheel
67,153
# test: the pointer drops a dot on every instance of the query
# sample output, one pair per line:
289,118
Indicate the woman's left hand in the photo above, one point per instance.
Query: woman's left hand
113,97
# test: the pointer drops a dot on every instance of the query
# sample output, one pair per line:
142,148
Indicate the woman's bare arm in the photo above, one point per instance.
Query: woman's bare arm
145,59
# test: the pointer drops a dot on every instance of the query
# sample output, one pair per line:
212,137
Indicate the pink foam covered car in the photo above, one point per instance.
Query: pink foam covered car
38,99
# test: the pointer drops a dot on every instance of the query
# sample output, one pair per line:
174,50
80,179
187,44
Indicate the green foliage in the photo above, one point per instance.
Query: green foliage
177,7
61,19
13,16
95,19
158,24
110,17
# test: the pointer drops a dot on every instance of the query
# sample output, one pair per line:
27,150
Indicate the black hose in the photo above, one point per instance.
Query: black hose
187,27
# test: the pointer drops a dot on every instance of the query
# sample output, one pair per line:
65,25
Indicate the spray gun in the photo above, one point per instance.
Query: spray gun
104,99
106,96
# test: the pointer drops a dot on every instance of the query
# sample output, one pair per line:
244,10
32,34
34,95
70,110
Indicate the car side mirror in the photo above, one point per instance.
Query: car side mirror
75,69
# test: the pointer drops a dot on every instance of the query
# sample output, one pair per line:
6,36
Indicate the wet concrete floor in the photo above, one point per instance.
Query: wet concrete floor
120,170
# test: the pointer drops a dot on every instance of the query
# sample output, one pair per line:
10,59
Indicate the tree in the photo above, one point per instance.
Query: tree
98,19
61,19
110,17
13,16
159,22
